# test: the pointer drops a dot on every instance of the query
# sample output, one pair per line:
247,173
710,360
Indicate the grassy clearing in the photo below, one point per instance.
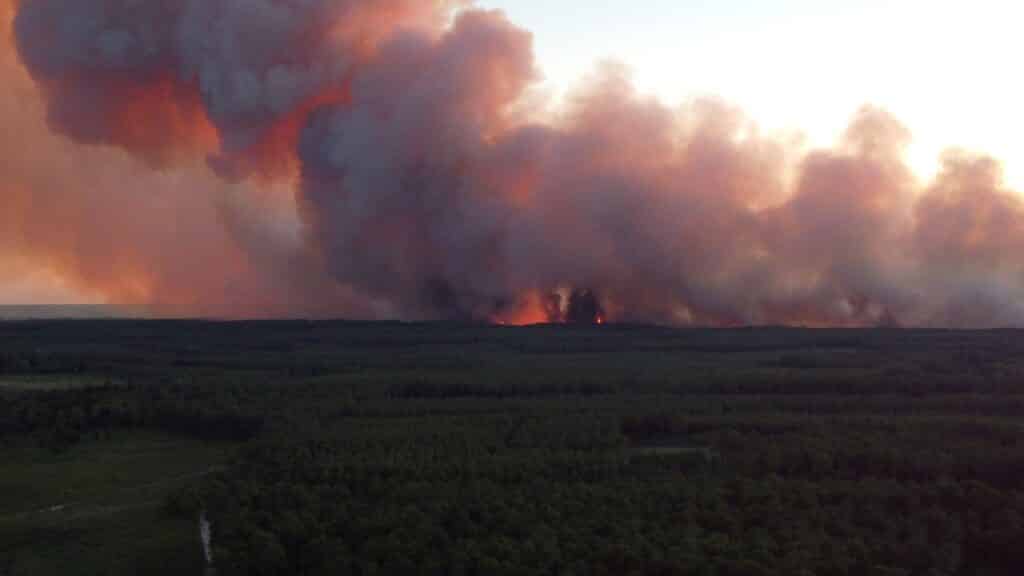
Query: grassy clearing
138,539
98,505
33,383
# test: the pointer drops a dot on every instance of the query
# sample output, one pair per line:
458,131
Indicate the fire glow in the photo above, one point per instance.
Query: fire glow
562,306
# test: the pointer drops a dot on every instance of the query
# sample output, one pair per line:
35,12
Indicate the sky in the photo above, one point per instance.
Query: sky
944,68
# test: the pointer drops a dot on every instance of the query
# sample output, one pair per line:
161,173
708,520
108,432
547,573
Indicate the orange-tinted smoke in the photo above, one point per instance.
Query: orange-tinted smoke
171,81
114,229
274,154
162,116
160,120
423,190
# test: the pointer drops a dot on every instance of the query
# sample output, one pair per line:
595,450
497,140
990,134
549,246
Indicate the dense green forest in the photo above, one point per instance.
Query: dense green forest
387,448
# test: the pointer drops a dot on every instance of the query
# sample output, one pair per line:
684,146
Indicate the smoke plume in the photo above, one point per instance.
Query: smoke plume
388,158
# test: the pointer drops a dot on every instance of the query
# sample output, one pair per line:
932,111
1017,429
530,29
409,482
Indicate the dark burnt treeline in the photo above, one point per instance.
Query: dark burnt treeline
467,449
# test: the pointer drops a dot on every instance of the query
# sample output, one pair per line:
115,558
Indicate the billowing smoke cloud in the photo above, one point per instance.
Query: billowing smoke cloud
385,158
113,228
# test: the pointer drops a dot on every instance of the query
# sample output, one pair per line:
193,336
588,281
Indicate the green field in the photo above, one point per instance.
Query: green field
98,507
360,448
51,382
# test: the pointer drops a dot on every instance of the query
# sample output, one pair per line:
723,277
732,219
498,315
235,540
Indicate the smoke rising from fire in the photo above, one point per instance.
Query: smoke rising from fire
388,158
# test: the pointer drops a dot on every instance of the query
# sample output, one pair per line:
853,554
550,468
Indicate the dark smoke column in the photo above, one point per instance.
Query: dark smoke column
393,182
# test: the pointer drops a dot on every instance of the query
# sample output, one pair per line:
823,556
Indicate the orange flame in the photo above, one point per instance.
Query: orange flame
529,310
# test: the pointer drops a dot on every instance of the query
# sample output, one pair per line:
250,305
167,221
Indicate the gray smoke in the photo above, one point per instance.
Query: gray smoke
386,158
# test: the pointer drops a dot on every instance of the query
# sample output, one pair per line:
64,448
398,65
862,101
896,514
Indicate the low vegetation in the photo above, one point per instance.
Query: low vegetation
351,448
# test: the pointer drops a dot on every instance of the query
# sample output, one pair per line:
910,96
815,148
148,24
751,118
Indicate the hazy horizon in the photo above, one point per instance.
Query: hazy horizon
56,311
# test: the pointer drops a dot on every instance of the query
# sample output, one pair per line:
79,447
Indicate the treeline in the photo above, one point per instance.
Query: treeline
61,418
584,494
628,358
38,362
